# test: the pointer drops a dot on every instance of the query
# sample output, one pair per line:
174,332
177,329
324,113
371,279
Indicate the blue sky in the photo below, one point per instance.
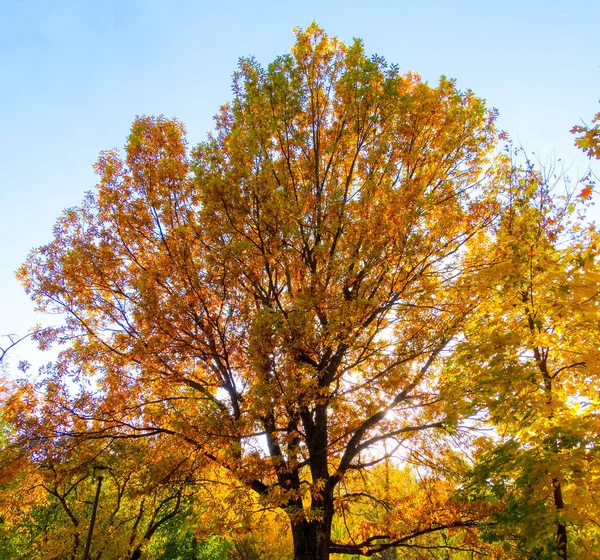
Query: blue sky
75,74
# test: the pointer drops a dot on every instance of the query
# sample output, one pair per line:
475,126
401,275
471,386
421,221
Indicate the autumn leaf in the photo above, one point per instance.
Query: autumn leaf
586,192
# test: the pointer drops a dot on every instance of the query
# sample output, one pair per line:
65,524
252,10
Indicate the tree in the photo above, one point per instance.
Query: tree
48,488
528,364
281,300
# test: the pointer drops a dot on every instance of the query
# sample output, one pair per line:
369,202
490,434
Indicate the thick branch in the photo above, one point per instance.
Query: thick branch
374,546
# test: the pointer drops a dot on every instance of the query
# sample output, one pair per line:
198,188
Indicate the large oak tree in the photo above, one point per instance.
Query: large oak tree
280,297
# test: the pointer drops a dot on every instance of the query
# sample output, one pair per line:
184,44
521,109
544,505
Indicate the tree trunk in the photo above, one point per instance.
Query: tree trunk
312,536
311,539
561,528
541,359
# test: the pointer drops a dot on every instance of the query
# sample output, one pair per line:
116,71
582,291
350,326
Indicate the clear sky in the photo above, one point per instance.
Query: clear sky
75,73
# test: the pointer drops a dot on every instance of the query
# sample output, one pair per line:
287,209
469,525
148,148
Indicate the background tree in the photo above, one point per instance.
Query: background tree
283,310
48,487
390,500
529,366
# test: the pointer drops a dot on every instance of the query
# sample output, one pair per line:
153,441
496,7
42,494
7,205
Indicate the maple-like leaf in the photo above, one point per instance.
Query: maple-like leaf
586,192
589,139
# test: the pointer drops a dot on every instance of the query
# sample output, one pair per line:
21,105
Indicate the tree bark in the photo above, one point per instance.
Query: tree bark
561,528
541,359
311,539
312,536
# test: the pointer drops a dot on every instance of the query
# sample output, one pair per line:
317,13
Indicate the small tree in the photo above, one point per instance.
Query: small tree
280,300
47,488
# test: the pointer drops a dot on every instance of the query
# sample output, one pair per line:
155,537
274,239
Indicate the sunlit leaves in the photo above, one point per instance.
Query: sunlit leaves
278,300
589,139
529,366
